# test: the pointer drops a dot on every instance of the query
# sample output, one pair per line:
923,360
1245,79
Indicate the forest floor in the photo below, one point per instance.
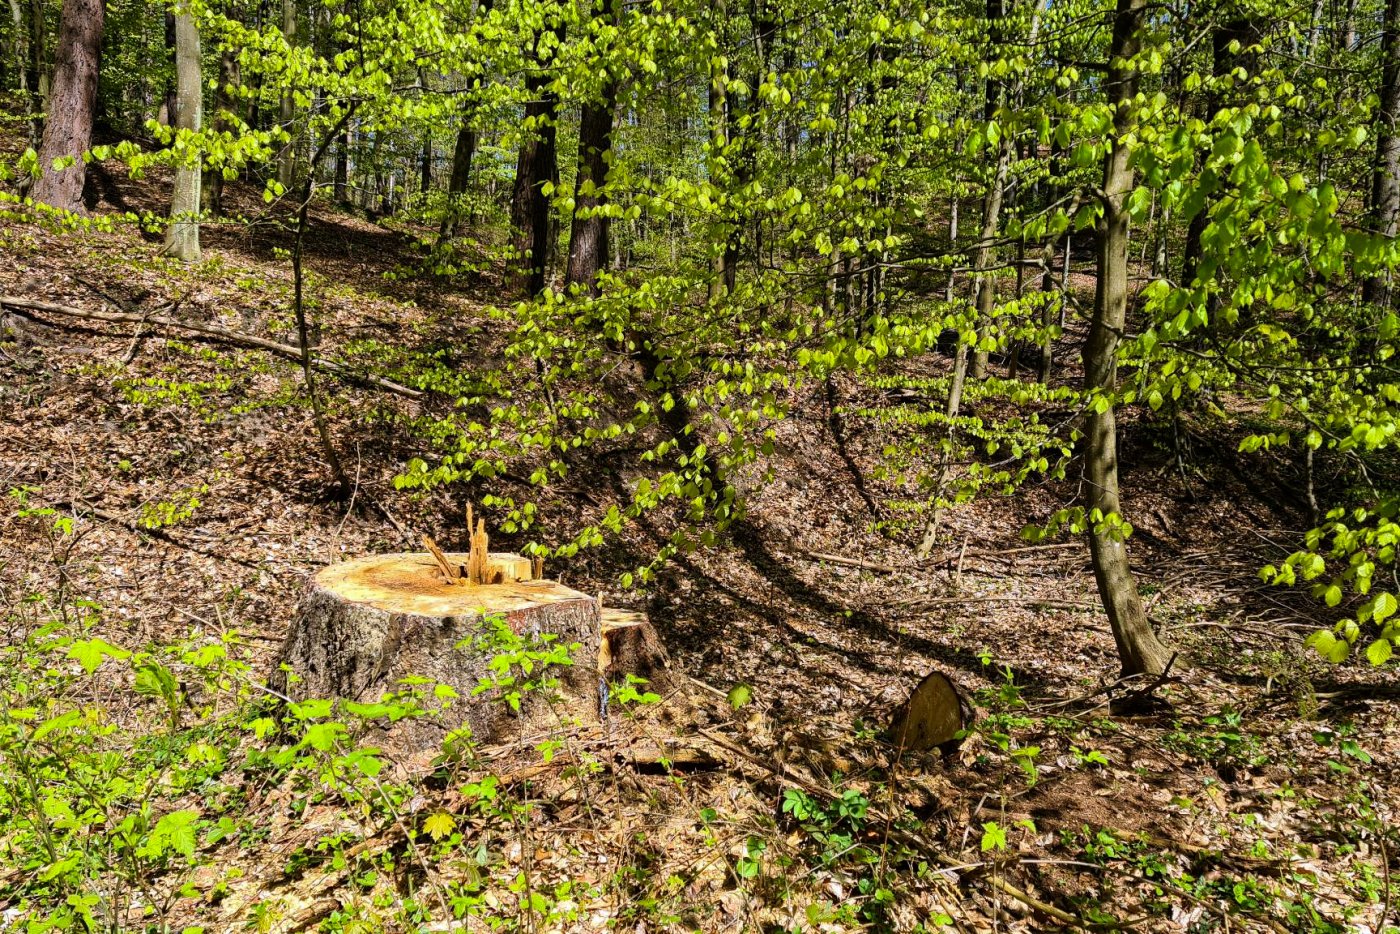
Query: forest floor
1260,796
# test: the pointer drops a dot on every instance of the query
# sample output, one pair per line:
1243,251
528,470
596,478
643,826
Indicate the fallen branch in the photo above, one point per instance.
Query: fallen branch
1034,602
24,306
852,562
79,510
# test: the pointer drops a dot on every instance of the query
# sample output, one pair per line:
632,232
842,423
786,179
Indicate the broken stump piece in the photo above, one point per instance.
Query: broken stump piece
931,718
632,646
364,625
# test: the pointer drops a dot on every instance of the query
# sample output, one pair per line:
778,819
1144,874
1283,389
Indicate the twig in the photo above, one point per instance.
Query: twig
24,306
852,562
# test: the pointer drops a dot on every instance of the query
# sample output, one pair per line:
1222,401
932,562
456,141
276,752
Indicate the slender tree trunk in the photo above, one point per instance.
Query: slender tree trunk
182,236
462,154
1139,649
588,236
342,168
68,130
166,115
226,118
1385,180
38,74
287,160
718,116
952,241
1315,28
1223,61
991,202
538,165
19,47
1047,315
425,173
304,327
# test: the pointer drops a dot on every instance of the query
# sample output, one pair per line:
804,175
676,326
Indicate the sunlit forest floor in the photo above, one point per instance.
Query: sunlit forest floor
1257,797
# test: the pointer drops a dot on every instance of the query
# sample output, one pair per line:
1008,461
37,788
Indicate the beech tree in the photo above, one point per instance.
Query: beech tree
1138,647
182,236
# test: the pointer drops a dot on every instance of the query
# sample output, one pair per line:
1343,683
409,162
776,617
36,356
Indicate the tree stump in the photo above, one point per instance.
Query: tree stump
631,646
364,625
931,718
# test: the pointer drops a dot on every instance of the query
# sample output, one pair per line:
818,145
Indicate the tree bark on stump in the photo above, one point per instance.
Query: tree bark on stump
632,646
364,625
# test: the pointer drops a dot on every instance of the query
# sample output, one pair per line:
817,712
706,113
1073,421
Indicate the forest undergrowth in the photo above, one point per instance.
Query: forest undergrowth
164,502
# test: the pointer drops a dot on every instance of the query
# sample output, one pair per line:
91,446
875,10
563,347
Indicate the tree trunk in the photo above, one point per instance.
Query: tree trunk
166,115
364,625
38,77
991,203
1047,315
226,119
1246,32
287,160
1139,650
19,47
632,646
182,236
1385,180
588,236
537,166
425,173
68,130
462,154
718,116
342,169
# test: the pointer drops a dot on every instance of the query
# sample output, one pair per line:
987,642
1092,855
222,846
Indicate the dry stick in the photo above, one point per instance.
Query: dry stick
852,562
132,526
23,306
926,846
1038,603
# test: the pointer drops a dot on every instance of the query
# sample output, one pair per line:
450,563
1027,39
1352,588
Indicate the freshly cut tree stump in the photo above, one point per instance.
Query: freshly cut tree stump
364,625
631,646
931,717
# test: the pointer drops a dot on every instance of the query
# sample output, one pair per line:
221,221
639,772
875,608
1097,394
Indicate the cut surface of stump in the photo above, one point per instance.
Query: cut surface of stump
931,718
364,625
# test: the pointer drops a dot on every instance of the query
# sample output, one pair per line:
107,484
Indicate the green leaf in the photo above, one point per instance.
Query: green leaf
1329,646
439,825
1384,607
993,837
1379,652
740,695
60,722
174,831
90,653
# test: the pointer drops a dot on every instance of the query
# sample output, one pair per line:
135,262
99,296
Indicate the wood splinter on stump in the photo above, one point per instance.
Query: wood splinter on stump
481,566
364,625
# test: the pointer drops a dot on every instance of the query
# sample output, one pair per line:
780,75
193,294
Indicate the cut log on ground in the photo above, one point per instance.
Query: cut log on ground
631,646
931,718
364,625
